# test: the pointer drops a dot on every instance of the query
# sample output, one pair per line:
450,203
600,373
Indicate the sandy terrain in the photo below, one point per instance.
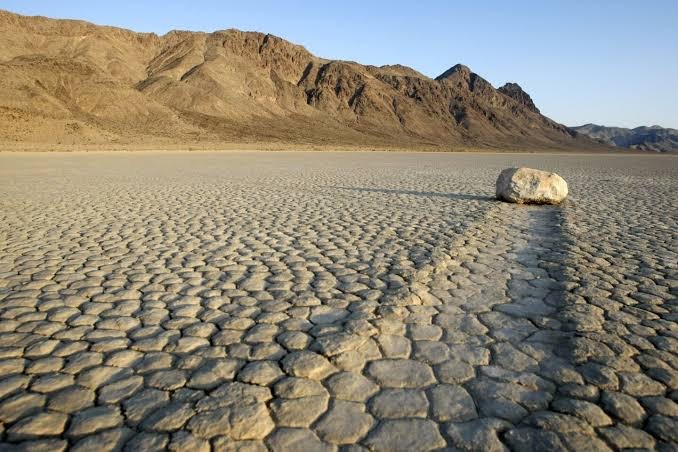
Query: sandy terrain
306,301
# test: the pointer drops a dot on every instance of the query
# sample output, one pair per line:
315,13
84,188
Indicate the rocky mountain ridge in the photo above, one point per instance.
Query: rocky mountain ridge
72,82
653,138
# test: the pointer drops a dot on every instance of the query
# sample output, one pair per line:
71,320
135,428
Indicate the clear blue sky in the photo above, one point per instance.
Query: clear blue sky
612,62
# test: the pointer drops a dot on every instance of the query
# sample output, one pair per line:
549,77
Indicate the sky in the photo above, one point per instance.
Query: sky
610,62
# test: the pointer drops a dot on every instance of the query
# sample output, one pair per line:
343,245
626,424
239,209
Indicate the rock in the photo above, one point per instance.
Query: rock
530,186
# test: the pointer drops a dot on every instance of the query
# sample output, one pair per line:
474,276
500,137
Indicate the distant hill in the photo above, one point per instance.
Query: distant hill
73,82
652,138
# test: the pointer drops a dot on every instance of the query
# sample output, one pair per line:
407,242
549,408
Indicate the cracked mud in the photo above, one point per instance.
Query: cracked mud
353,301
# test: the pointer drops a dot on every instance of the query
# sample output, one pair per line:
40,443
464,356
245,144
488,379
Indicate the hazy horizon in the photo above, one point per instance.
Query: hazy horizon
576,60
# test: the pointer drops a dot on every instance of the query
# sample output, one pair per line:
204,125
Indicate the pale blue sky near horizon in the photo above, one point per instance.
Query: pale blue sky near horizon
607,62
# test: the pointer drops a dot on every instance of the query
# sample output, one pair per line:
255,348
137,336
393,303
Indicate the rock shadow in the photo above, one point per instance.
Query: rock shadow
457,196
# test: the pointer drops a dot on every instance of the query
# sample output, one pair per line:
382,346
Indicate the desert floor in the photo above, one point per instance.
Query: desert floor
308,301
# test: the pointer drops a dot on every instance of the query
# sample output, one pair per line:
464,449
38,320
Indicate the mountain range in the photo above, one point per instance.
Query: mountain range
72,83
653,138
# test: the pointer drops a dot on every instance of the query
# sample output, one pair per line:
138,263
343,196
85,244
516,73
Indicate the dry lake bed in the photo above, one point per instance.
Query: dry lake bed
335,301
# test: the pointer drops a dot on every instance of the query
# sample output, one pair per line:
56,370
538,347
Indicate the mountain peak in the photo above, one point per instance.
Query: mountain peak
457,68
515,92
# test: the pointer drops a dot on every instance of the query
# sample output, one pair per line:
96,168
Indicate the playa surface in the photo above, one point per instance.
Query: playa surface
308,301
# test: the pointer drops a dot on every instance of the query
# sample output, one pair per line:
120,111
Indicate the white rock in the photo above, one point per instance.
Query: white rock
531,186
